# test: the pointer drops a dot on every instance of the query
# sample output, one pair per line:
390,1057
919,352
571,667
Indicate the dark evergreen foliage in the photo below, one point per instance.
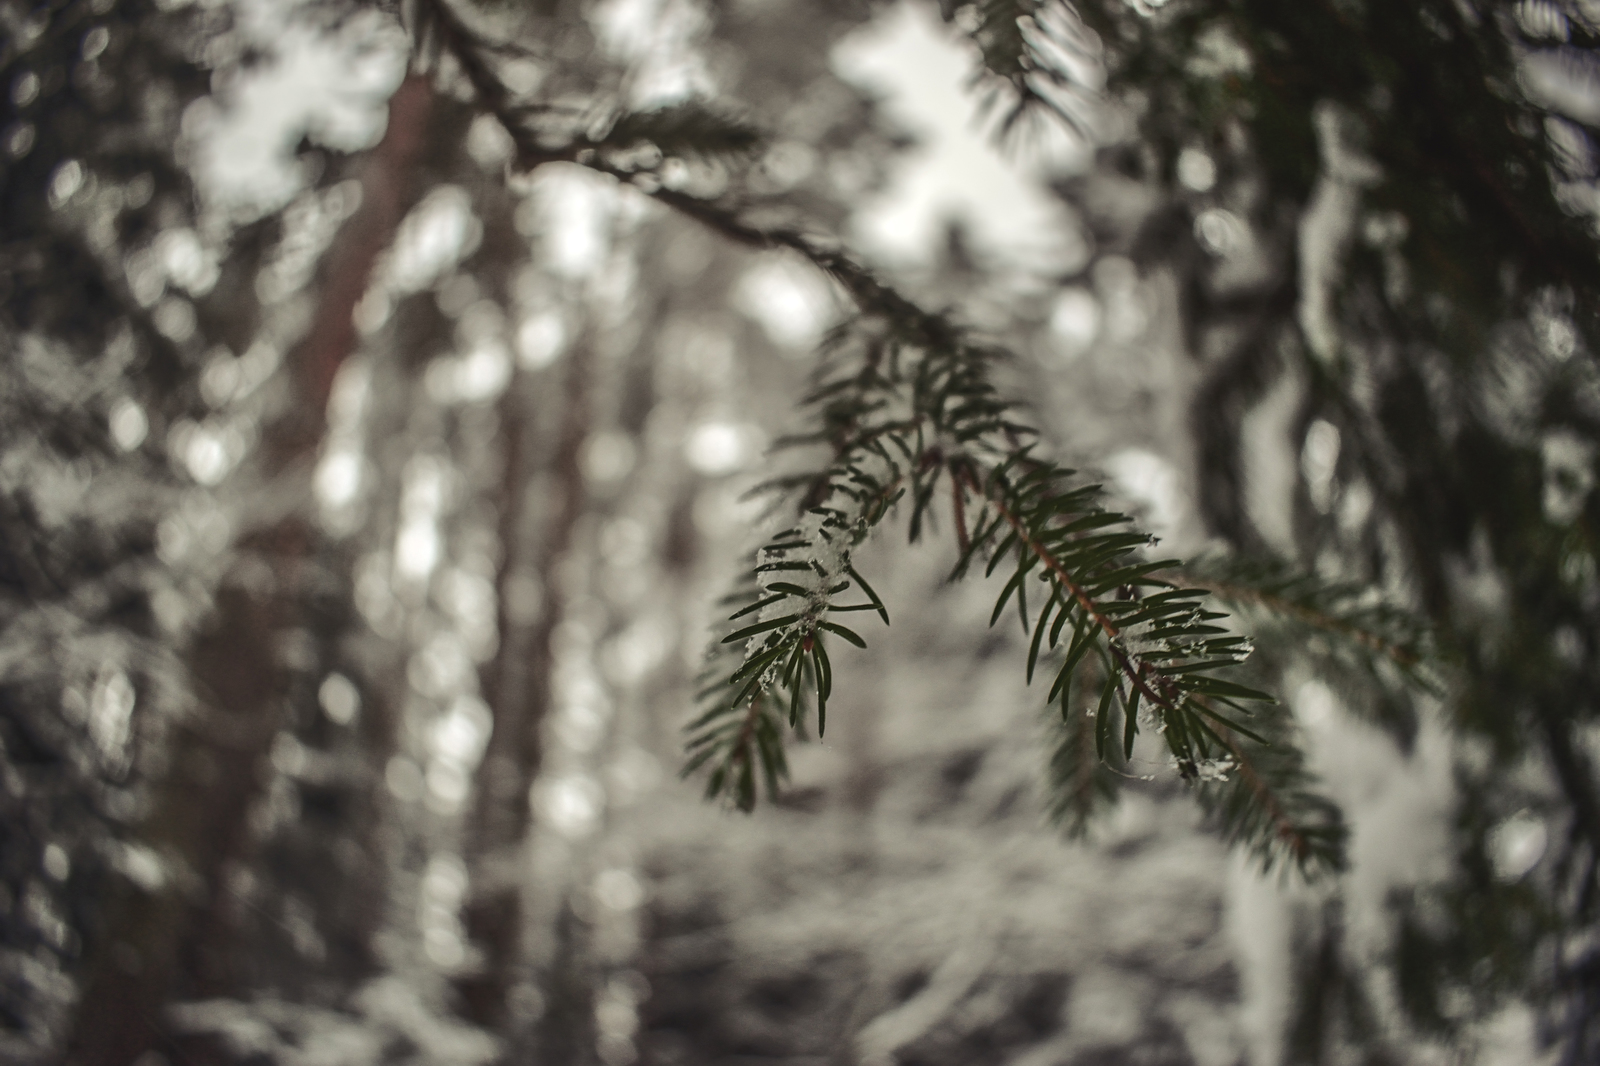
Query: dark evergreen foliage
1424,231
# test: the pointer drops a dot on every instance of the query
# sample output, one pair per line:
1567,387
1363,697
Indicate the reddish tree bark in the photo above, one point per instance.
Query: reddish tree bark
388,190
162,942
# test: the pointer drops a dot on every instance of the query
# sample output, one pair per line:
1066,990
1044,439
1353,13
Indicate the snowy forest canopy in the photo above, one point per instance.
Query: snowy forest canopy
400,402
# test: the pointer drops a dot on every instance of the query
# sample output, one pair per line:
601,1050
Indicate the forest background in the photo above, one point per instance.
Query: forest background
382,388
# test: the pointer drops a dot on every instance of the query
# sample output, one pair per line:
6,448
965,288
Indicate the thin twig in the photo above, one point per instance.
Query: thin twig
1134,672
1287,829
1403,656
958,495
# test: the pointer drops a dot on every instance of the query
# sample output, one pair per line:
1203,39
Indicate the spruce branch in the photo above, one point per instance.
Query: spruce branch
1162,650
1367,626
1378,655
902,398
1081,785
1260,795
735,739
898,415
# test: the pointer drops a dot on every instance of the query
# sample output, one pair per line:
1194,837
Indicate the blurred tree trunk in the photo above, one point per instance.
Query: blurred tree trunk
158,936
540,503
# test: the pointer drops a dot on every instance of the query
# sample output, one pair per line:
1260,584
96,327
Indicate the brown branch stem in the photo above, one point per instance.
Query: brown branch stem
1135,672
1287,830
958,496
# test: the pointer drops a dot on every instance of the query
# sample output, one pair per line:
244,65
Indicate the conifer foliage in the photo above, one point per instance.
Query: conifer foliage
903,400
1370,202
910,417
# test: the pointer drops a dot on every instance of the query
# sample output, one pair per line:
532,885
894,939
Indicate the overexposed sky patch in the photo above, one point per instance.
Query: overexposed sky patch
658,41
921,68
